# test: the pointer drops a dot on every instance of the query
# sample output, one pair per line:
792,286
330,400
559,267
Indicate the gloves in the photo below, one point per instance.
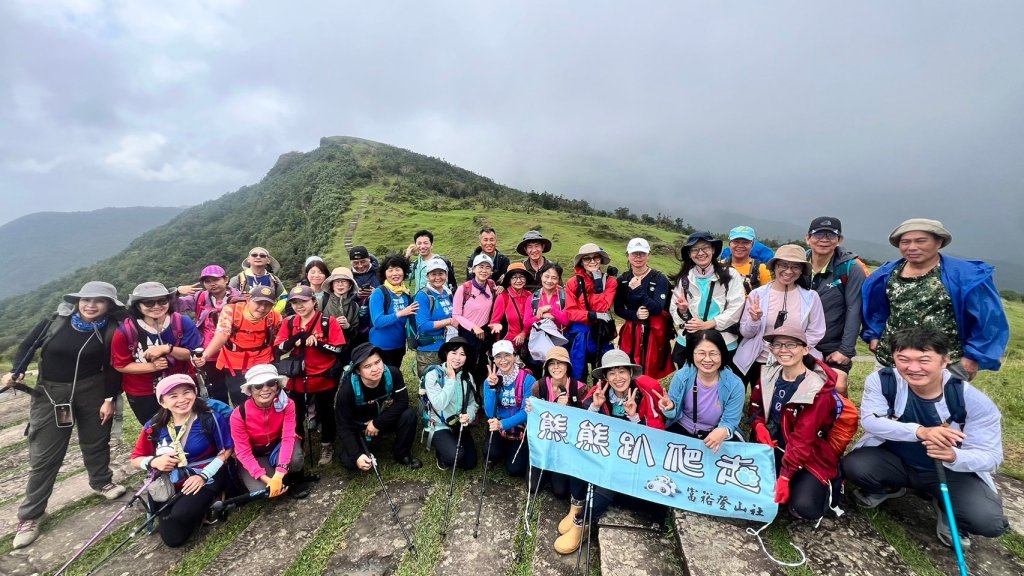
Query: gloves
276,484
762,435
782,490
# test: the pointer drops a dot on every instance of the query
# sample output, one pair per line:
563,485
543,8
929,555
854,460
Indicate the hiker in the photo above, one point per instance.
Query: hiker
622,391
508,319
739,256
258,270
642,300
705,399
556,384
837,275
153,342
958,297
707,295
391,306
365,270
423,248
534,246
313,342
918,413
786,301
343,306
205,299
546,316
244,338
191,445
373,401
263,429
76,385
508,387
589,296
791,409
315,273
434,321
451,405
471,308
488,247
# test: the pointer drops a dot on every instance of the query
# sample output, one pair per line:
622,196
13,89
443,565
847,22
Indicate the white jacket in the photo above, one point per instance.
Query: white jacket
728,304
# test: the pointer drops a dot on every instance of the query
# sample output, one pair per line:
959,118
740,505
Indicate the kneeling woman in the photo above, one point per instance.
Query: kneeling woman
263,428
557,385
190,443
621,392
508,387
451,405
791,409
705,399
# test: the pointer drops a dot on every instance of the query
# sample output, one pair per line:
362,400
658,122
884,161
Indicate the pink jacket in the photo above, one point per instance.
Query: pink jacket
263,429
561,316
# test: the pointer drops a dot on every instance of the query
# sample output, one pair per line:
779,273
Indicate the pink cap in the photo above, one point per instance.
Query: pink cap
213,271
169,383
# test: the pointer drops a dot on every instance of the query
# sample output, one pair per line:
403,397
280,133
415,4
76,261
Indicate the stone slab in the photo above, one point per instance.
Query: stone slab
986,557
278,535
147,554
491,552
547,562
14,408
11,435
1012,492
845,546
639,551
713,546
14,466
375,545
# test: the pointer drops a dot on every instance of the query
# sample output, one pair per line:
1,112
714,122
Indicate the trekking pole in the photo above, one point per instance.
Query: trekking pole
587,519
531,495
222,507
131,535
109,523
394,509
944,488
483,485
451,485
200,375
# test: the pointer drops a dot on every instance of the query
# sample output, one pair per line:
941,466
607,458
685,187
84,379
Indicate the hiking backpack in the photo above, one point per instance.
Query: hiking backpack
130,329
751,280
535,303
952,393
243,282
844,425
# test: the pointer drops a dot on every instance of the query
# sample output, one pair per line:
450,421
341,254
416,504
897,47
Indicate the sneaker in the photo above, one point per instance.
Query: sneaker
326,454
942,530
869,500
111,491
28,531
441,467
409,462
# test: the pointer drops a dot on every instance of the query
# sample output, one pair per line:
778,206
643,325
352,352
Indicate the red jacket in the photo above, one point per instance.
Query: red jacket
603,302
514,309
320,358
647,404
806,420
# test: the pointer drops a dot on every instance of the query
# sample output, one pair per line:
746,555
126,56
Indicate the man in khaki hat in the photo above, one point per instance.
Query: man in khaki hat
925,287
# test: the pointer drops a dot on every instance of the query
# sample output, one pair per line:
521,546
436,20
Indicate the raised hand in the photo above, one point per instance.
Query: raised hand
664,402
754,309
597,400
630,404
492,376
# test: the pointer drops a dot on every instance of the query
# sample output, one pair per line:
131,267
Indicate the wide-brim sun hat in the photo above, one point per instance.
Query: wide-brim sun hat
791,253
272,262
920,225
557,353
513,269
590,248
340,273
457,342
95,289
148,290
261,374
171,382
701,236
616,359
533,236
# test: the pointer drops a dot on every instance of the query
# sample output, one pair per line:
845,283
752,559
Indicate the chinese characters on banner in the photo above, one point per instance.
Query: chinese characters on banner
666,468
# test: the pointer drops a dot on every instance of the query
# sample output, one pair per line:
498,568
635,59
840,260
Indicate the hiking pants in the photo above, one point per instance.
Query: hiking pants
324,402
515,453
233,384
604,498
977,509
393,357
48,444
178,522
424,360
444,443
559,482
144,407
405,434
254,484
809,498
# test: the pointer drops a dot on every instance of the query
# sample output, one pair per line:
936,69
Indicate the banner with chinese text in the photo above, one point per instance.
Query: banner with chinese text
659,466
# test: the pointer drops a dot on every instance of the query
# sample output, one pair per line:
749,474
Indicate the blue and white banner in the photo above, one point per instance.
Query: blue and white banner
666,468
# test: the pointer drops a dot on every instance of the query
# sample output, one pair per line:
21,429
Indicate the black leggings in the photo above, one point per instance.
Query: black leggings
393,357
324,402
444,443
178,522
233,383
559,482
144,407
516,454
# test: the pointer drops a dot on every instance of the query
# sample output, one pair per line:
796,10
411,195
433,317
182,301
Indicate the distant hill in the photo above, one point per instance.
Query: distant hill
47,245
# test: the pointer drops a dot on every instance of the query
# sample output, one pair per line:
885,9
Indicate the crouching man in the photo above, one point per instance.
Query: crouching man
916,414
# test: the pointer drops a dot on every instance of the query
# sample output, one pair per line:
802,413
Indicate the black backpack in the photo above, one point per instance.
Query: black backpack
952,392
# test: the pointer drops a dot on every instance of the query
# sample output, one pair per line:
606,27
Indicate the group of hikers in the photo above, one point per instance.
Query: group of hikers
327,355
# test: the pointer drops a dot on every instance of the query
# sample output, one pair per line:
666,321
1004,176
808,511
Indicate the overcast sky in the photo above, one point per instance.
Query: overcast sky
871,111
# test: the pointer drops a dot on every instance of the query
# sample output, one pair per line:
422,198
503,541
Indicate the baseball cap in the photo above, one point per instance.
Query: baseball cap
301,292
262,294
435,264
502,347
742,233
358,253
638,245
826,223
213,271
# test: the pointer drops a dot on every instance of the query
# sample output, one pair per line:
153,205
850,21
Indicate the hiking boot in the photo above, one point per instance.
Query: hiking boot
326,454
111,491
869,500
299,491
409,462
575,509
440,466
27,532
570,541
942,528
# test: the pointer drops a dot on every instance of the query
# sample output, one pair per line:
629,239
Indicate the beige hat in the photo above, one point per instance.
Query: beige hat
591,248
920,225
616,358
791,253
340,273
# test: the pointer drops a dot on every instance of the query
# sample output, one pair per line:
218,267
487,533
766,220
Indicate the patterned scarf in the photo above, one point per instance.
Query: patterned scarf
82,326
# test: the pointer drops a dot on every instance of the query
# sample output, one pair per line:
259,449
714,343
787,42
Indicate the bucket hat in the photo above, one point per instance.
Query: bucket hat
791,253
513,269
616,359
273,264
533,236
590,248
95,289
261,374
148,290
701,236
920,225
340,273
457,342
364,351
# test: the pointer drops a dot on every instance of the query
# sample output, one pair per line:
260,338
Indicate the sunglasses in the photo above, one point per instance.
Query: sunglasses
261,385
591,258
259,255
154,303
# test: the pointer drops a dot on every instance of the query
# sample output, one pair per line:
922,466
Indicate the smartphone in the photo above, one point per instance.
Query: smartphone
62,413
